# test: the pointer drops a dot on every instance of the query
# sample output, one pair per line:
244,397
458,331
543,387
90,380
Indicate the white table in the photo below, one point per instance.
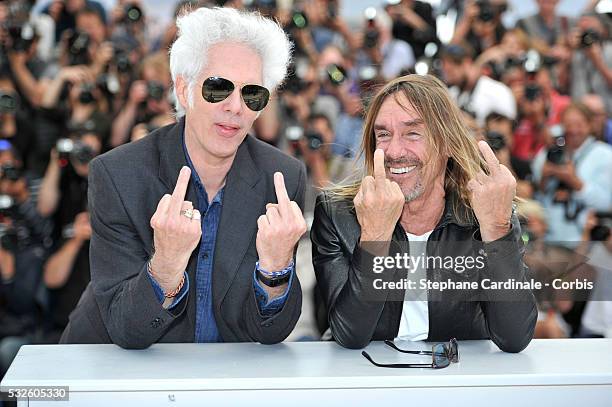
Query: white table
556,373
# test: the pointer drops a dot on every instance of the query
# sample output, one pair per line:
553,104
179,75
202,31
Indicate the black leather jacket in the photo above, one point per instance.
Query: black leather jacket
344,277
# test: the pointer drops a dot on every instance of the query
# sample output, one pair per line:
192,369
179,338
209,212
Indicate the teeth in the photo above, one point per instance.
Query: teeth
401,170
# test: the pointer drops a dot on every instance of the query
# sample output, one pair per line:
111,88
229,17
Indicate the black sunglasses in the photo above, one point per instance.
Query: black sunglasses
216,89
442,354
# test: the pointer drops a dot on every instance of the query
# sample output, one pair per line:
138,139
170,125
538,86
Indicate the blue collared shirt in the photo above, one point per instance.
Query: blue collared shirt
206,327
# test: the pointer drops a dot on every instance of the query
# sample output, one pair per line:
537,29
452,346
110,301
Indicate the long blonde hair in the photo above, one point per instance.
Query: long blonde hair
446,133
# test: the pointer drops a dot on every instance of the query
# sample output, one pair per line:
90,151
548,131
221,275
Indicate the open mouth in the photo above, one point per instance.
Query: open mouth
226,129
402,170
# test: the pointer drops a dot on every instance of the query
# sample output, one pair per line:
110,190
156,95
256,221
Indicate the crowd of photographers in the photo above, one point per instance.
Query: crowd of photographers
77,80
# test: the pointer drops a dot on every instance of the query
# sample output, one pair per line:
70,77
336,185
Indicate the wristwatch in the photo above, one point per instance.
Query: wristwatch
274,279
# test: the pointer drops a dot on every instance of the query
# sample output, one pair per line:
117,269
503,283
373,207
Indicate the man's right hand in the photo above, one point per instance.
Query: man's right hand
378,203
175,236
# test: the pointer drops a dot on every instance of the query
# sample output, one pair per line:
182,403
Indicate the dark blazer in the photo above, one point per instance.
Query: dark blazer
358,315
125,185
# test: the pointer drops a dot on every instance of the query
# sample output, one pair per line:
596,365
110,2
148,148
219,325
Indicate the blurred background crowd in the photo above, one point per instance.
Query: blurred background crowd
80,77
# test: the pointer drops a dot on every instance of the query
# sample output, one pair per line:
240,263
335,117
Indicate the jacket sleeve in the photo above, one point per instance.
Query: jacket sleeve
277,327
132,314
345,282
511,316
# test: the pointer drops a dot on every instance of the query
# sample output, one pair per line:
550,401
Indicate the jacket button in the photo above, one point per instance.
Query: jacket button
156,323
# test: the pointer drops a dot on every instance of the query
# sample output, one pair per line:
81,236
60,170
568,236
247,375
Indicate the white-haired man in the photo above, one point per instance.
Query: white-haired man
196,225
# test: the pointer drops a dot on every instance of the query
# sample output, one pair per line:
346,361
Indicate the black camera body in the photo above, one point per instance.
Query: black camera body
336,74
495,140
11,172
155,90
486,11
86,95
133,13
556,152
78,48
294,134
8,102
601,231
532,91
81,152
22,36
589,37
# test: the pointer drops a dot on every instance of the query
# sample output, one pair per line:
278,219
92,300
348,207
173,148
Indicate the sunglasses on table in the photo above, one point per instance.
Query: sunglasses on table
442,355
216,89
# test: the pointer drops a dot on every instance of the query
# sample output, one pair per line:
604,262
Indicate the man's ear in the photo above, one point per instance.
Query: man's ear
182,91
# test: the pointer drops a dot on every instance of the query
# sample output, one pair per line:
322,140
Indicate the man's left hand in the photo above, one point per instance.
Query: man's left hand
279,229
491,196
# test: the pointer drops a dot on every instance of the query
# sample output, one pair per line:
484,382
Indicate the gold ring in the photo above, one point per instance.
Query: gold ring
188,213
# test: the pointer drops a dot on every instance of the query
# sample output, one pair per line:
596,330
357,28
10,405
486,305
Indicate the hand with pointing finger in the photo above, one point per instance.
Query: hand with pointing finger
378,203
279,229
491,196
175,234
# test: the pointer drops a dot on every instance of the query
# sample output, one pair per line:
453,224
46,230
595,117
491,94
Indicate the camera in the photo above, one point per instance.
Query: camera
133,13
332,9
7,206
8,102
495,140
11,172
486,11
601,231
336,74
298,20
67,148
86,95
22,36
294,134
589,37
371,35
532,91
155,90
122,61
78,47
556,152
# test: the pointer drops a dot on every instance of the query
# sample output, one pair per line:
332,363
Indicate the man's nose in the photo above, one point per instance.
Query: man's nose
395,149
233,103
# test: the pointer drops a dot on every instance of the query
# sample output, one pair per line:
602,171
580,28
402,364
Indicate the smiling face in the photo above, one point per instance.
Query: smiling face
401,133
217,129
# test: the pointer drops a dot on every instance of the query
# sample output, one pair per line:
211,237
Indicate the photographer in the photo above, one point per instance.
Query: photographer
573,175
63,196
19,39
339,80
499,135
413,22
592,59
147,98
597,316
473,91
380,49
128,24
15,121
64,13
24,238
313,145
75,102
480,25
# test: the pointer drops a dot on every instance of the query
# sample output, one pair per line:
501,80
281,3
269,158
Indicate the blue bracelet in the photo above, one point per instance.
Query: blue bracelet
274,274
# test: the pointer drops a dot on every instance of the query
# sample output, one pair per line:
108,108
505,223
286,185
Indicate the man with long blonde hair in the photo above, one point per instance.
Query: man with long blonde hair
429,190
